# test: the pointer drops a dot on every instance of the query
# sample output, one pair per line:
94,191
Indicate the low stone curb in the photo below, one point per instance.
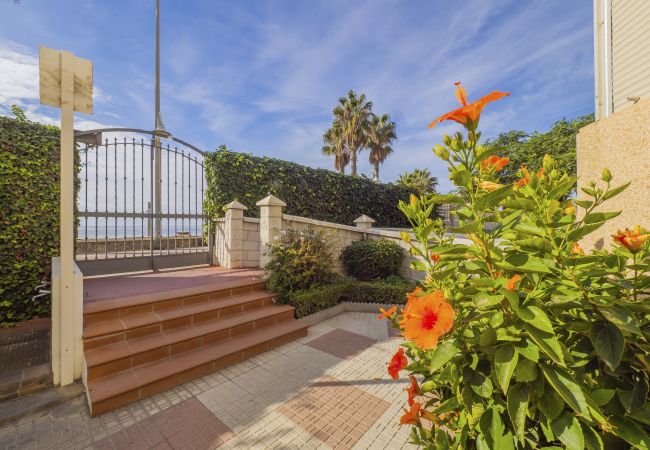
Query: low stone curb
47,400
328,313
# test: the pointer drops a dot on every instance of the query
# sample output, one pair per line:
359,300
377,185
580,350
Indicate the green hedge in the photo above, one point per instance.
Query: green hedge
29,214
387,291
315,193
371,259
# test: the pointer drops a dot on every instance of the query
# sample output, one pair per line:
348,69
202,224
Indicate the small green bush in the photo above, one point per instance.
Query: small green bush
370,259
388,291
299,261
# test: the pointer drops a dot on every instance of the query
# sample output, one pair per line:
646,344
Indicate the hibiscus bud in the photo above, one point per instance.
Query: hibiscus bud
447,140
607,175
570,209
441,152
489,186
406,237
547,161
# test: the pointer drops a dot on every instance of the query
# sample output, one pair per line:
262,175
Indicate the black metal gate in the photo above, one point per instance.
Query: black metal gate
140,203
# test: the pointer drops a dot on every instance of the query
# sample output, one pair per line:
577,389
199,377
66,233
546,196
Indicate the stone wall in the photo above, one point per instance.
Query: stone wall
251,242
340,236
620,142
220,248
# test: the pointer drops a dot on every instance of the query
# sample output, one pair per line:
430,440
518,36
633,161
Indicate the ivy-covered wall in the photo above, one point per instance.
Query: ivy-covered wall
29,214
314,193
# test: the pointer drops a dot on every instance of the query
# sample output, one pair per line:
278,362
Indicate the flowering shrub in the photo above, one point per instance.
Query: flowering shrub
299,260
519,339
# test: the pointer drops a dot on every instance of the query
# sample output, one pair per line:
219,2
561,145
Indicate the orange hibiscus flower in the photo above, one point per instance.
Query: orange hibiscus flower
411,417
412,390
511,284
632,239
435,257
577,250
397,363
468,112
386,314
525,180
495,163
427,318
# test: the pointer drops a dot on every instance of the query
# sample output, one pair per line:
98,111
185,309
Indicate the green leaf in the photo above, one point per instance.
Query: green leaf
526,370
481,384
636,398
518,409
492,198
578,233
547,342
505,362
550,404
614,192
535,317
535,243
445,351
568,430
592,439
597,217
630,432
643,415
621,317
567,388
608,342
528,350
492,428
483,300
520,204
471,227
561,189
522,262
602,396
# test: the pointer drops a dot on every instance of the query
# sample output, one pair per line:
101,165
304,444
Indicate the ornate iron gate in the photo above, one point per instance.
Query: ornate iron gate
140,203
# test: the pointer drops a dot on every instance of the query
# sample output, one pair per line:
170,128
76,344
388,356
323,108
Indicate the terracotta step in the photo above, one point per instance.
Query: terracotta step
113,391
136,325
110,309
111,358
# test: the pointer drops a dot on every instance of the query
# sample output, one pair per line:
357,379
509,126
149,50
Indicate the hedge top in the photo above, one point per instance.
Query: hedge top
314,193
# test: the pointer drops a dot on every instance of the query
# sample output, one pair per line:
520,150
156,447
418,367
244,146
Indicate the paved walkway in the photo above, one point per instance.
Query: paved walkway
327,390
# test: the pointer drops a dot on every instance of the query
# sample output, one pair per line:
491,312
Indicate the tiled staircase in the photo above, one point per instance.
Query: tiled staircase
138,346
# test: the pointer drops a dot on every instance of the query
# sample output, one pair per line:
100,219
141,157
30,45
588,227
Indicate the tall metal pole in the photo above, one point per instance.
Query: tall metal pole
156,142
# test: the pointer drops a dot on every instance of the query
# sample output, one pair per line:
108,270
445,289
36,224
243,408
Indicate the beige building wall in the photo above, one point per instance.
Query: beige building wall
621,54
620,142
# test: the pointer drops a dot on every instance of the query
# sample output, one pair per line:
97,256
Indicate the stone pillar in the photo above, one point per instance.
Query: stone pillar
364,222
234,231
270,224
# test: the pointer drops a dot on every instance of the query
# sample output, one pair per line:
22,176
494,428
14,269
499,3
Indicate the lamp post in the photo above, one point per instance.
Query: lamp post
158,132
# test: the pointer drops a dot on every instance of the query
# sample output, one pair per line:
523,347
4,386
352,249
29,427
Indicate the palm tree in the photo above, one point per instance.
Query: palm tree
420,180
352,115
381,134
334,145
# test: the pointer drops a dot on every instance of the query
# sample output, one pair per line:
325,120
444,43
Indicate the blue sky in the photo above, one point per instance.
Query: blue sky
263,76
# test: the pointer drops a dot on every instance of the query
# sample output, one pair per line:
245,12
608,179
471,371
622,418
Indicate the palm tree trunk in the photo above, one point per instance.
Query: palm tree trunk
353,161
375,175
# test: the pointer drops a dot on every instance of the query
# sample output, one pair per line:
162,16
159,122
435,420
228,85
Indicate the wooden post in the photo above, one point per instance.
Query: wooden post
65,82
66,217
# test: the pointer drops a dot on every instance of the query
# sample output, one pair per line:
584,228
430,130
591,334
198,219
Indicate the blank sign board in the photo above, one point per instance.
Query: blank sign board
50,79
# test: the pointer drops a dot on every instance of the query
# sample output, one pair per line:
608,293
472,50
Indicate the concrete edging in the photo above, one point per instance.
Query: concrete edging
328,313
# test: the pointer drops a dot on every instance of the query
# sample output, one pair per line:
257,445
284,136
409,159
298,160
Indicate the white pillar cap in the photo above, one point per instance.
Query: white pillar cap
271,200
